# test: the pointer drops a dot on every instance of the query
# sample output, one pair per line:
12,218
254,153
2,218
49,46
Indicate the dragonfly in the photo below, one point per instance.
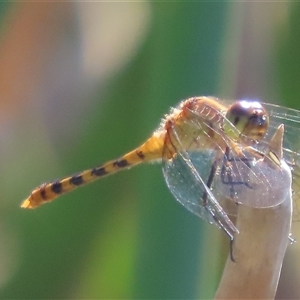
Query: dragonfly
213,154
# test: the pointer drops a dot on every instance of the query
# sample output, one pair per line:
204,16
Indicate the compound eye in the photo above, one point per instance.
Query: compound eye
246,120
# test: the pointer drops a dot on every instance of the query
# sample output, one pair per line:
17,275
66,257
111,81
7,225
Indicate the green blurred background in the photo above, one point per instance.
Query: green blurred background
82,83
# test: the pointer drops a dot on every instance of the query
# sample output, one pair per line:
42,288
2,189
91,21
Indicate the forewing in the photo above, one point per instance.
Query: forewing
186,175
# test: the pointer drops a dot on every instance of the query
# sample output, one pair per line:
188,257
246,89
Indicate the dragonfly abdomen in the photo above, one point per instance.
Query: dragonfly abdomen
149,151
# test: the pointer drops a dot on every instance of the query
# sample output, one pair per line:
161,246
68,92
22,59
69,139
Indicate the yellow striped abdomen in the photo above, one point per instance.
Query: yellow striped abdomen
151,150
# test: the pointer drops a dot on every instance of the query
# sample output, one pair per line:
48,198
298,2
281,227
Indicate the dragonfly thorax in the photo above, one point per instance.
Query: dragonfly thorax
198,126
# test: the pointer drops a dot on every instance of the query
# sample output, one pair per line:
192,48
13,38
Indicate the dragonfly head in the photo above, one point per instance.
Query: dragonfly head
246,120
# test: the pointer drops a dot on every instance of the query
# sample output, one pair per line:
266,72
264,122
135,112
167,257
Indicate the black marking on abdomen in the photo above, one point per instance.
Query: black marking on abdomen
140,154
43,191
56,187
76,179
99,171
121,163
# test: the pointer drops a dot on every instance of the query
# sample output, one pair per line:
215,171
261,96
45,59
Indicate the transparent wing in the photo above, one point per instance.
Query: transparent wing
240,178
291,144
189,187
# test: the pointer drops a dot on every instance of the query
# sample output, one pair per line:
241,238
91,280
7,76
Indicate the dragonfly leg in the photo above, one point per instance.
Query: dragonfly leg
211,211
226,171
210,180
